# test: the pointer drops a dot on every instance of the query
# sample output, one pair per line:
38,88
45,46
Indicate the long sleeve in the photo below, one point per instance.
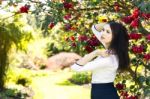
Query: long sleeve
97,33
90,66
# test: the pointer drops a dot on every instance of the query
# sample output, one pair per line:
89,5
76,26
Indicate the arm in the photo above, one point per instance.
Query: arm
93,65
89,57
96,30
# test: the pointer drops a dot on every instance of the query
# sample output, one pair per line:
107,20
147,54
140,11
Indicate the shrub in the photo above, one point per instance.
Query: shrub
81,78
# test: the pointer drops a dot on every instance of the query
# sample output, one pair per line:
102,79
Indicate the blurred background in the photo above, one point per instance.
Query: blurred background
41,39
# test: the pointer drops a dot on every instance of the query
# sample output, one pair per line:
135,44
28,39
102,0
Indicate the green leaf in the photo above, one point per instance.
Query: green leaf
148,81
124,81
141,79
132,86
147,91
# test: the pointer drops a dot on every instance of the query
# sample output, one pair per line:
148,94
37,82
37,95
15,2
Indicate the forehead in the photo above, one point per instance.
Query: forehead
107,26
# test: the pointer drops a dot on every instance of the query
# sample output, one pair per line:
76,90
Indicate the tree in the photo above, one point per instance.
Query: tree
76,17
11,35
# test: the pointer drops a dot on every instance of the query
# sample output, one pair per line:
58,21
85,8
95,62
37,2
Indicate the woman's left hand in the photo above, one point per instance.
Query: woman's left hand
99,52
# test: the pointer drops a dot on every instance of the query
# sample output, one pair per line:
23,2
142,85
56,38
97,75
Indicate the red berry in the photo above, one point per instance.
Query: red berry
136,13
51,25
120,86
72,38
24,9
146,15
68,5
138,49
148,37
73,28
124,94
116,4
135,23
146,56
67,27
67,16
127,19
82,38
88,49
73,44
135,36
117,8
93,41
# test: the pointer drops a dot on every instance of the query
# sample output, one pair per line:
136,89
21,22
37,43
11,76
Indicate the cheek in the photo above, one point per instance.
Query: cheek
109,38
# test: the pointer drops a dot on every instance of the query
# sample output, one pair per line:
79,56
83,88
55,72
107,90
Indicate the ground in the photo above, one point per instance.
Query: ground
48,87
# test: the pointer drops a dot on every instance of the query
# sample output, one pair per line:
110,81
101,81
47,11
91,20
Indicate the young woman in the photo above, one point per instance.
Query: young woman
105,63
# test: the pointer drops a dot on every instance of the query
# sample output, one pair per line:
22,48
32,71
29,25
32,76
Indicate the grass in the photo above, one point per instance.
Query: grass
52,86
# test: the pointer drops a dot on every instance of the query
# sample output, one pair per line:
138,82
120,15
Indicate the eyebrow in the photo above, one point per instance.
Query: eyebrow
106,29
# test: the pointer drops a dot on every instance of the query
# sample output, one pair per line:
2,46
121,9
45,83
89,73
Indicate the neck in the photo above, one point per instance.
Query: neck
109,51
106,46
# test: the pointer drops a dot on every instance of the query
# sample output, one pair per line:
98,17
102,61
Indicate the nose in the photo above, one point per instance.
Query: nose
103,33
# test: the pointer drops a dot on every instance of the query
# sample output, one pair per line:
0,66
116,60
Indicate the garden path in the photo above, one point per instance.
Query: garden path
48,87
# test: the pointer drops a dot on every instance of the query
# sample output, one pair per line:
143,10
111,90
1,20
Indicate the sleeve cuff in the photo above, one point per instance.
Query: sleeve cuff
76,67
95,28
78,64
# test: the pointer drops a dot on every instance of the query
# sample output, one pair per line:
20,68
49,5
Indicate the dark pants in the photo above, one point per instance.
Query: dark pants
104,91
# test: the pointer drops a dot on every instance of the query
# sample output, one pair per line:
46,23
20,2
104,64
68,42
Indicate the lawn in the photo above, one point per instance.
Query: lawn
50,87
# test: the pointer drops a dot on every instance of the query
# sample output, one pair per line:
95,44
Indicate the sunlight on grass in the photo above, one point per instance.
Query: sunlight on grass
48,87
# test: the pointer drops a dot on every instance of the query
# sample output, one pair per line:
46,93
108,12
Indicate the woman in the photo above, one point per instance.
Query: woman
107,62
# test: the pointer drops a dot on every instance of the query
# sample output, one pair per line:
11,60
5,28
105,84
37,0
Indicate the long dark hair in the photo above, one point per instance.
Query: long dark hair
120,44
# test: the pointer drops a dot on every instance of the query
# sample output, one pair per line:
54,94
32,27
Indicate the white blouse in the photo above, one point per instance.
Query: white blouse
103,68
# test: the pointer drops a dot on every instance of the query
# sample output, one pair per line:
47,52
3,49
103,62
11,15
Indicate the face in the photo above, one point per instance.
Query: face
106,35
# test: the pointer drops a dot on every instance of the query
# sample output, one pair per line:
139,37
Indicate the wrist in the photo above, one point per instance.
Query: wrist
78,64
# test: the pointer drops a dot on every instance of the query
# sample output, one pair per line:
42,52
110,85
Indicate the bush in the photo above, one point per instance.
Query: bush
19,76
80,78
15,93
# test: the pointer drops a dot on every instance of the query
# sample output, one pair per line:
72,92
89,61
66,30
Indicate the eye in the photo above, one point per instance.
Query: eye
102,29
108,31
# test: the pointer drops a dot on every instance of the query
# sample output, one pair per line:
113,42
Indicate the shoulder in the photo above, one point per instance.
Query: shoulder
110,58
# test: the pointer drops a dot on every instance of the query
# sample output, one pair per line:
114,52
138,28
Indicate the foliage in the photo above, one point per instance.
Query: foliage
19,76
13,93
15,75
57,40
31,58
65,82
80,78
140,62
18,83
11,35
75,18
